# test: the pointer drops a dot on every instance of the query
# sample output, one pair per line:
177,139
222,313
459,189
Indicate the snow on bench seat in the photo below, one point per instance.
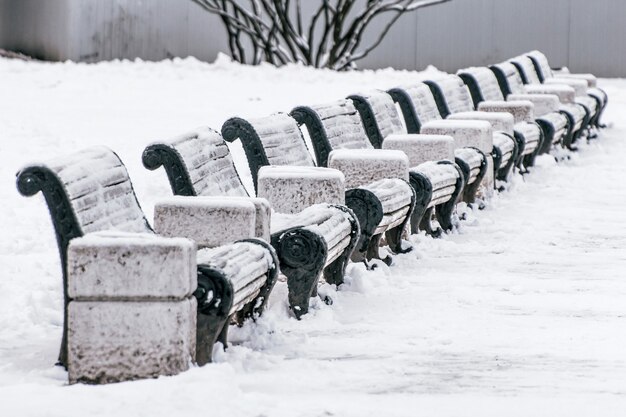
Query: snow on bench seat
246,266
333,224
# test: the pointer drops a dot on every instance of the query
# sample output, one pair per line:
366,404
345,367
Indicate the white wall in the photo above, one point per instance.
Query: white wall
585,35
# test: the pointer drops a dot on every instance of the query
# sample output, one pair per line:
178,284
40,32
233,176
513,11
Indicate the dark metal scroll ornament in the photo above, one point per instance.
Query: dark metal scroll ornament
469,193
549,135
157,155
256,307
32,180
394,236
538,69
321,145
336,270
522,72
586,122
411,118
473,87
235,128
595,120
424,191
215,299
503,81
496,154
529,159
303,256
369,120
567,141
515,160
369,212
445,211
440,99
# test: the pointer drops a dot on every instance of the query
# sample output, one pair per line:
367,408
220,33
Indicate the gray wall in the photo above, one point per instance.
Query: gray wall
586,35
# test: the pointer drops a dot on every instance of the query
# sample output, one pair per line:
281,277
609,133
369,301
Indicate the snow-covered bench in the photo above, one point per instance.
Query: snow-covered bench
486,93
545,72
381,202
530,76
138,304
473,140
308,239
455,103
454,98
511,84
436,179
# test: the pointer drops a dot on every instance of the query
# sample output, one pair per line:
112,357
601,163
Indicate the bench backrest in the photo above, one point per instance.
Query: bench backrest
88,191
379,115
335,125
526,69
482,84
542,66
270,140
418,105
196,163
451,94
509,78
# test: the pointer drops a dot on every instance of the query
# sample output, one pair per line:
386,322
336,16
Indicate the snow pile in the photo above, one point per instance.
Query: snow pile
519,312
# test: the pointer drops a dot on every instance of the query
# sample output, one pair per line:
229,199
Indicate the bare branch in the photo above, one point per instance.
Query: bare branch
275,30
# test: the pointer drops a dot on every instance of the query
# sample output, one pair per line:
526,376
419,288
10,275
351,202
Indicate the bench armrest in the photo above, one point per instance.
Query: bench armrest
543,103
422,148
579,86
565,93
522,111
591,79
209,221
130,266
291,189
466,133
364,166
502,122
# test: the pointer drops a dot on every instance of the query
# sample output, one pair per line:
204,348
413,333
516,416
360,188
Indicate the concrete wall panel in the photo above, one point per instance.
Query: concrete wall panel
584,35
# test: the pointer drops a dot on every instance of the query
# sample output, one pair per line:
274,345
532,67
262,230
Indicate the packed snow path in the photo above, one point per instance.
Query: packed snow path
520,312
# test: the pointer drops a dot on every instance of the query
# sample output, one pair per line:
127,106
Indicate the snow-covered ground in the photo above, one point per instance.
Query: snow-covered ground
520,312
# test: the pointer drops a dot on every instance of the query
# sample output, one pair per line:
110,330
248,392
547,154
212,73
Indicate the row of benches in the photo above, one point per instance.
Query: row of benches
141,300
